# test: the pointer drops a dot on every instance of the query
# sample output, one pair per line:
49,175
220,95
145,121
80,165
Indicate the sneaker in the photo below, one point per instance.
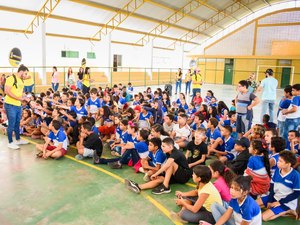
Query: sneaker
115,165
39,154
21,142
13,146
96,158
132,186
79,157
146,178
161,189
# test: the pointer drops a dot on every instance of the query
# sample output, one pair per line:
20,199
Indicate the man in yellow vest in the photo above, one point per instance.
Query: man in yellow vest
14,95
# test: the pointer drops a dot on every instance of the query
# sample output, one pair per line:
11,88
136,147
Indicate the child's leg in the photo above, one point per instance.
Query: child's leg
152,184
223,159
169,172
39,147
270,215
56,154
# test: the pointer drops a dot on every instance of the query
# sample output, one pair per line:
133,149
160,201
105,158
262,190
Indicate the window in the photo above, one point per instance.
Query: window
91,55
69,54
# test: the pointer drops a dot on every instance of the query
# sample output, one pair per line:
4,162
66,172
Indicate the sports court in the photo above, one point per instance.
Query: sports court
162,45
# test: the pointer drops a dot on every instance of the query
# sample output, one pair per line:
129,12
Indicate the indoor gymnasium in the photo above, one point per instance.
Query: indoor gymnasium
149,112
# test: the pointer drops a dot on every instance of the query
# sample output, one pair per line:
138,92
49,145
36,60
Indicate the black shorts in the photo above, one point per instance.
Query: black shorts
181,176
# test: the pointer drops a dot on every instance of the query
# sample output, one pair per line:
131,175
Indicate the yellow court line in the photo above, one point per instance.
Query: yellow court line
159,206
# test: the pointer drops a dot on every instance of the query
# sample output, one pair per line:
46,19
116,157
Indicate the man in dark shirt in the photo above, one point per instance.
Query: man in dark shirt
239,164
89,144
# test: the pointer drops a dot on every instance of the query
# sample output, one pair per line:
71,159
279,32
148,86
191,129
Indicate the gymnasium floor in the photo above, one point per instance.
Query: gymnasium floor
67,191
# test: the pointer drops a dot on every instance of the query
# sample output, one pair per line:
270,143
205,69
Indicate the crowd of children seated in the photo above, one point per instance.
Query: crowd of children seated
169,142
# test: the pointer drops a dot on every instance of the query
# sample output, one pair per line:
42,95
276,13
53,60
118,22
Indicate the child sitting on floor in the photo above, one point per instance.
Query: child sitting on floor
284,190
59,140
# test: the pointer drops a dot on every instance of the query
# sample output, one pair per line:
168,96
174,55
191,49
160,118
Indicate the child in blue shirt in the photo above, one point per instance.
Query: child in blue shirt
284,190
224,146
290,145
155,159
134,151
93,103
59,140
242,207
231,121
145,118
212,131
277,145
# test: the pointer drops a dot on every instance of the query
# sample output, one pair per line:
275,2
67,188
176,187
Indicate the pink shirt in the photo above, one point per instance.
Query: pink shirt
223,189
55,78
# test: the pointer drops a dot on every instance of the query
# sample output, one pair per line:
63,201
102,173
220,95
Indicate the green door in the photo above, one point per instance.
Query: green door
228,72
285,77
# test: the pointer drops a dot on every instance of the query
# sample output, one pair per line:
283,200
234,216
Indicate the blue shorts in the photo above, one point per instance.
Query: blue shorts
229,156
276,210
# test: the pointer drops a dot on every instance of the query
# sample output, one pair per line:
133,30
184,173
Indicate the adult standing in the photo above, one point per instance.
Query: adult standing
54,79
70,79
268,85
197,82
14,86
178,80
86,81
188,81
80,77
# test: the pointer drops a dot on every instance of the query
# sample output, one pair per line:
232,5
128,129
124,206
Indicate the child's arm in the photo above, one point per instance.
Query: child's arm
215,144
197,206
245,222
128,145
63,107
187,154
272,162
180,194
203,157
225,217
163,168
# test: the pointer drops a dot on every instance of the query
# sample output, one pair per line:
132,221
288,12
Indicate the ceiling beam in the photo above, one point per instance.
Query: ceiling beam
246,7
174,10
43,14
266,2
172,19
13,30
84,22
134,15
234,7
119,17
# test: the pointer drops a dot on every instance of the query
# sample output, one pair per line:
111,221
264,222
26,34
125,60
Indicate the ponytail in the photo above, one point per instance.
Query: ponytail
262,148
225,172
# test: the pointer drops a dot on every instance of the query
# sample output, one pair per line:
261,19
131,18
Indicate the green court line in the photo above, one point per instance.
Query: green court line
159,206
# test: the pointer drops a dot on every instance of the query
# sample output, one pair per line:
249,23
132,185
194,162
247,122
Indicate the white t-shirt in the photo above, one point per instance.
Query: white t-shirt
182,132
269,85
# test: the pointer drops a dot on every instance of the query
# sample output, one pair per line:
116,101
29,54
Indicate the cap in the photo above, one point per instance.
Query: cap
244,142
108,120
138,108
269,71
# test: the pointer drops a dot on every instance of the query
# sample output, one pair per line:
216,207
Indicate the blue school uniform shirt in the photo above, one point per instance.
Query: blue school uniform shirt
248,211
95,130
141,147
195,127
234,134
58,138
124,137
296,147
136,103
228,146
257,165
158,158
213,135
295,102
132,139
185,106
213,104
275,157
79,112
286,185
94,105
191,111
147,116
118,132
